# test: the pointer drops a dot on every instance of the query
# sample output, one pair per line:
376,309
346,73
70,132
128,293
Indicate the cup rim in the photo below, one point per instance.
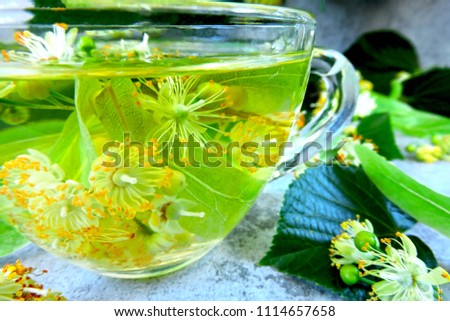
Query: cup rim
277,15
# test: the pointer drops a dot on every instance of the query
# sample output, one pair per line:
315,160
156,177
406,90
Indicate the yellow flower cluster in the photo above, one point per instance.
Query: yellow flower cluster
16,284
129,214
395,273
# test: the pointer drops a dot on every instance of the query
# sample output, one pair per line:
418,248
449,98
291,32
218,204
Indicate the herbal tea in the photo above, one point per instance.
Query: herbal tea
132,167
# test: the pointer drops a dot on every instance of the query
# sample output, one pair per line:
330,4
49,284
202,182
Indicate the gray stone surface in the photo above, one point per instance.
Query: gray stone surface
230,271
425,22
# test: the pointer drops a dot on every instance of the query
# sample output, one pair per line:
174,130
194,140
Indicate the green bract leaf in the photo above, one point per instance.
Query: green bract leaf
424,252
17,140
74,150
409,120
117,110
429,91
380,55
422,203
313,209
10,239
215,193
86,90
67,151
377,127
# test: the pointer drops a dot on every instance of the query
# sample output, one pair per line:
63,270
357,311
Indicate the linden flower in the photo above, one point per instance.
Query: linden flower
159,243
142,49
443,141
184,108
347,152
16,284
265,136
56,45
128,186
429,153
68,206
343,250
404,276
124,49
27,175
169,209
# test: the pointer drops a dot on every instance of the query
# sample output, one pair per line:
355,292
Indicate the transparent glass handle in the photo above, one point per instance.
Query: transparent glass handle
342,89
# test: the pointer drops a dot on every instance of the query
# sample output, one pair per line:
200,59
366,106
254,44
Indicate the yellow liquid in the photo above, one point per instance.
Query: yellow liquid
107,190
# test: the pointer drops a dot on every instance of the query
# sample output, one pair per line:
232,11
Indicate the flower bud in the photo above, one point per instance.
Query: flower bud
349,274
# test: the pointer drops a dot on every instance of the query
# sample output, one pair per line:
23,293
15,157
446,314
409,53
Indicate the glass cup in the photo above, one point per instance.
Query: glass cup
136,136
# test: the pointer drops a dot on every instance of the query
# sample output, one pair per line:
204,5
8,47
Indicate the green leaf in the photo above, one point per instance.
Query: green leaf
66,151
10,239
429,91
424,252
380,55
74,150
40,135
70,152
377,127
86,90
422,203
224,194
117,110
30,130
409,120
313,209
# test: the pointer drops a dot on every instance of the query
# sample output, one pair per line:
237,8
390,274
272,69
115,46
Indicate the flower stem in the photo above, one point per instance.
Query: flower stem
367,281
62,97
146,229
35,106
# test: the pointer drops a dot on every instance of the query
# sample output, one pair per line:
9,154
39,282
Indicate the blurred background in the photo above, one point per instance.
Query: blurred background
425,22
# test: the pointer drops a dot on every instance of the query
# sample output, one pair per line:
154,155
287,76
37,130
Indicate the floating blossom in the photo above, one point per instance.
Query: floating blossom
343,249
16,284
404,277
56,45
68,206
184,108
126,186
142,50
116,50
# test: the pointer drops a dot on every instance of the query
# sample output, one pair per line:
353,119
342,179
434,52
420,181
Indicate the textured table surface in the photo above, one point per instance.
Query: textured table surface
230,271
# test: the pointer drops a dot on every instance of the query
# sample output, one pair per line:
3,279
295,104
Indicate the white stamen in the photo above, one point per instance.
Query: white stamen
128,179
192,214
63,212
